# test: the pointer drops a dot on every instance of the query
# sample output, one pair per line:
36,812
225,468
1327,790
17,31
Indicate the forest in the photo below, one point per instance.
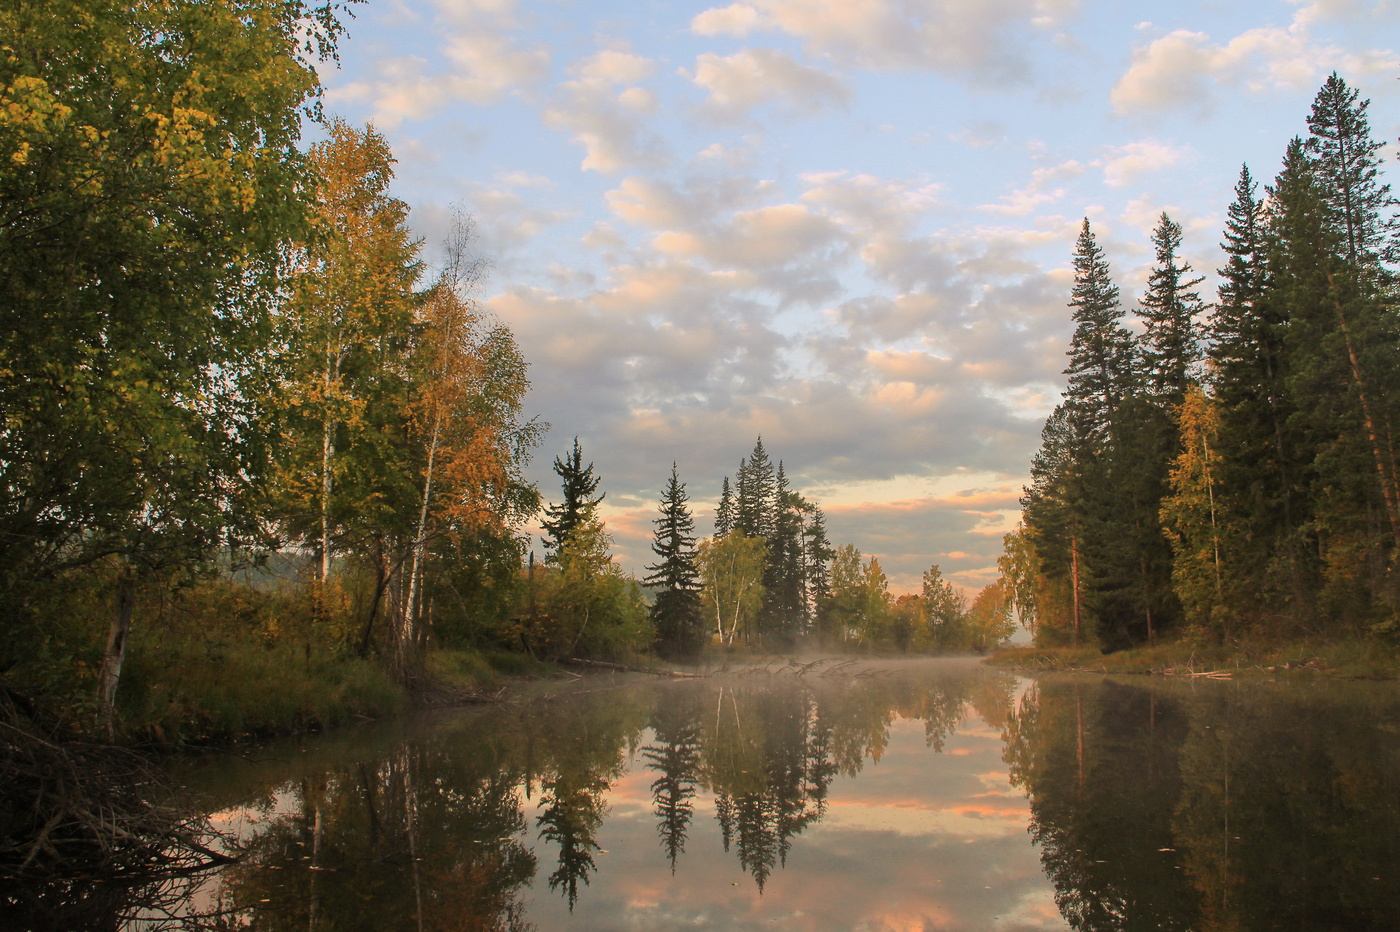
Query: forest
250,437
1227,470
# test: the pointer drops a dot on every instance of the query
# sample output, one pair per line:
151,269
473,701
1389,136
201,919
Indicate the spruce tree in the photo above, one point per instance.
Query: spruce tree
578,505
1100,354
675,615
817,556
1170,348
724,514
783,613
1052,508
1337,385
1259,452
1346,167
756,505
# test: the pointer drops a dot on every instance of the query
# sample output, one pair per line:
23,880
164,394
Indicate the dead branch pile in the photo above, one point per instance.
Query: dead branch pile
82,822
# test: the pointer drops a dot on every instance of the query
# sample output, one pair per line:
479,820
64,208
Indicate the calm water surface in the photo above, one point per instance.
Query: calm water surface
878,796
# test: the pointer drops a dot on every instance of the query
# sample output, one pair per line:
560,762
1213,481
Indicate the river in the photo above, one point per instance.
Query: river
876,795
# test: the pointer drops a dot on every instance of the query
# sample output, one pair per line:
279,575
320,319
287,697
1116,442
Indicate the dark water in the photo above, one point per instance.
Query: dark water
918,796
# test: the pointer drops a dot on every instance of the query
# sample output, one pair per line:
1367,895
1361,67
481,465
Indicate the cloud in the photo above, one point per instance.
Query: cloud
606,117
976,41
1040,190
474,59
1127,163
737,20
1187,70
752,77
727,312
486,67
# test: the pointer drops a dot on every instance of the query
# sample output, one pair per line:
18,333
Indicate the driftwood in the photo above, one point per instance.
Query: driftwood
86,826
625,668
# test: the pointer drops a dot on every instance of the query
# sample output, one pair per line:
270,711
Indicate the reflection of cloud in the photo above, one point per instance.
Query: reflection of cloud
880,859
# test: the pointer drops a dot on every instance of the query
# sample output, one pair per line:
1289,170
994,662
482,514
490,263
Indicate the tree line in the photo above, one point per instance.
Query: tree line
1229,468
222,356
770,577
240,415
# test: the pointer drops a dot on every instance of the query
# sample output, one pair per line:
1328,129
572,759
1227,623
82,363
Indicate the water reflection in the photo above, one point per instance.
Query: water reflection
451,827
1214,806
925,796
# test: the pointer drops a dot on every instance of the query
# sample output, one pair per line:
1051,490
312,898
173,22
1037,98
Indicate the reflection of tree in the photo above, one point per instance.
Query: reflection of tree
1101,768
573,810
675,755
417,840
1288,818
435,830
1210,809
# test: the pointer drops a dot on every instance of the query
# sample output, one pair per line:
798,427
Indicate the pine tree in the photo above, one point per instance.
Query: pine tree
1170,350
578,505
817,556
724,514
676,615
756,505
1259,454
1100,354
783,613
1346,167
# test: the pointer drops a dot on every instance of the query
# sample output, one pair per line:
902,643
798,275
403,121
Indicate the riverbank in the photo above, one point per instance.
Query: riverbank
236,695
1351,658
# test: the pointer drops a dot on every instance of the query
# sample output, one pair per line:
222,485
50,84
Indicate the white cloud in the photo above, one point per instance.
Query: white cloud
752,77
986,41
606,121
1041,189
736,20
487,67
1128,163
483,67
1185,69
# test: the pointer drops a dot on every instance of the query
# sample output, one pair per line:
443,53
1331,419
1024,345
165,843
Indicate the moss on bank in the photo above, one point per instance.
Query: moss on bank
1340,658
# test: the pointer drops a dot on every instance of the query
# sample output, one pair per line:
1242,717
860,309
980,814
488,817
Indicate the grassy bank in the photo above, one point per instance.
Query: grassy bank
184,693
1341,658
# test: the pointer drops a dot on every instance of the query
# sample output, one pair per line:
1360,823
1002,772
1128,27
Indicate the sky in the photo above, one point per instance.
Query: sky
843,226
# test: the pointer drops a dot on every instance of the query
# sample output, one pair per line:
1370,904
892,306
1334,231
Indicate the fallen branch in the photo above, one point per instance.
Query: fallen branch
624,668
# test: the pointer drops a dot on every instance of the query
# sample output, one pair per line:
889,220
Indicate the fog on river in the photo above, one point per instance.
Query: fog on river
866,795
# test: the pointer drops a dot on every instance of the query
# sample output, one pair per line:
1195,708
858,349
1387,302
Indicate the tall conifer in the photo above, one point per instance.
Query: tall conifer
579,483
1171,349
675,615
1100,353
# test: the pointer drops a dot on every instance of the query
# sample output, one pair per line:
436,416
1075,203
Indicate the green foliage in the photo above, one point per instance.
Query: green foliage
944,611
1282,504
578,506
1100,369
731,575
1170,308
583,605
676,617
989,621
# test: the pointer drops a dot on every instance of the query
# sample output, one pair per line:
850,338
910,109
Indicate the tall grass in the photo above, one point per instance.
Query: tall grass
223,660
